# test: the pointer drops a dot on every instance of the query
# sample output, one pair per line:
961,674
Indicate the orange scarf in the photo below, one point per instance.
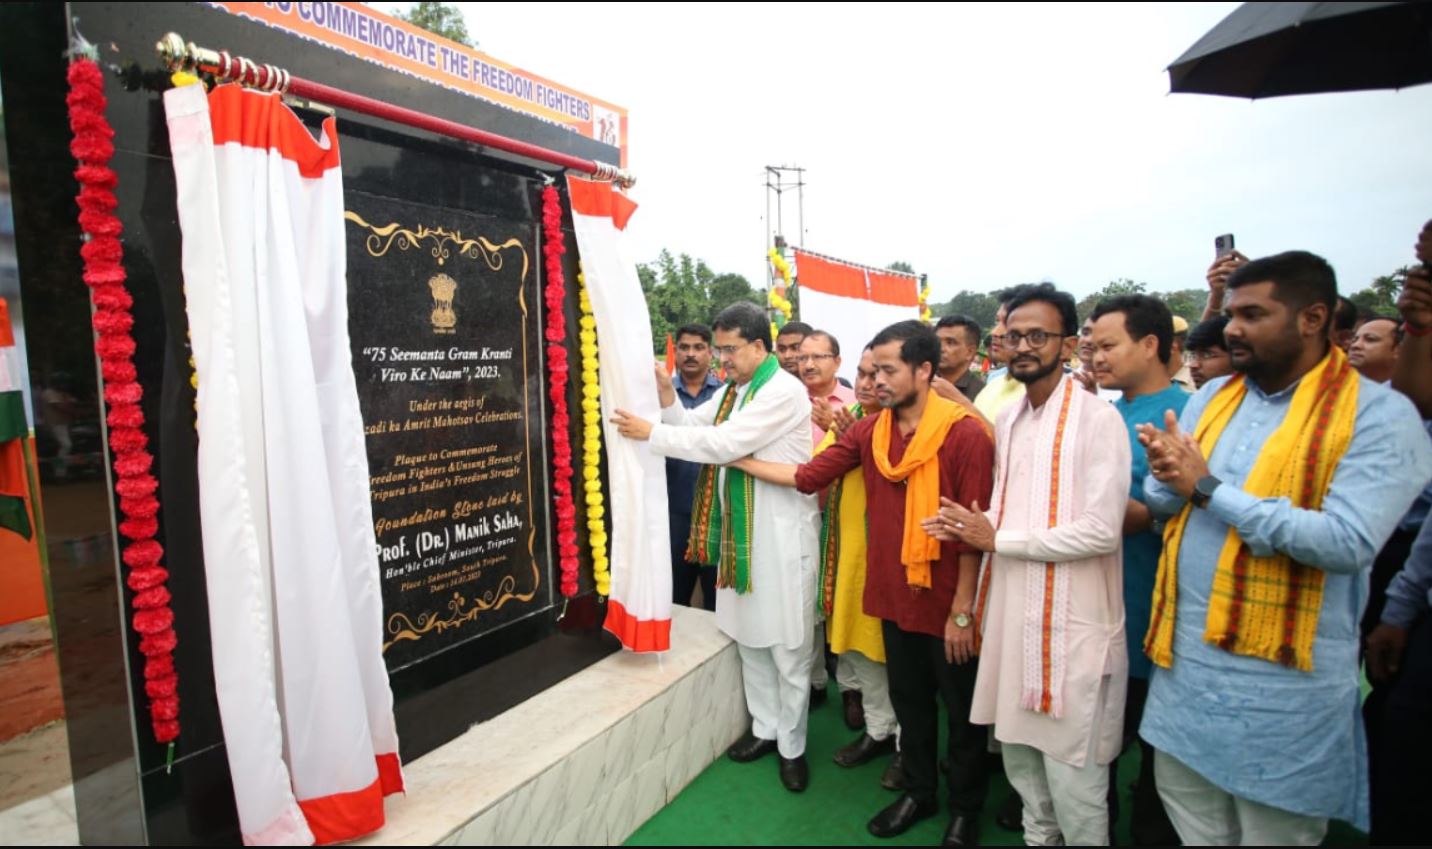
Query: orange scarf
919,469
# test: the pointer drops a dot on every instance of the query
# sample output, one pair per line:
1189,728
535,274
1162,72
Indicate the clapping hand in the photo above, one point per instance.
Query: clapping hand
955,523
821,413
1175,458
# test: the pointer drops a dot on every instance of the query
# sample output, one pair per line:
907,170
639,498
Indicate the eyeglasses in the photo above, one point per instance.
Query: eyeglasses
1035,338
729,350
811,358
1208,354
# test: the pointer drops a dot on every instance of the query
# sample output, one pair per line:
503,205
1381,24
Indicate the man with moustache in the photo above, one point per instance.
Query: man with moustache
1001,390
788,345
1280,483
959,342
918,449
1053,662
818,360
694,384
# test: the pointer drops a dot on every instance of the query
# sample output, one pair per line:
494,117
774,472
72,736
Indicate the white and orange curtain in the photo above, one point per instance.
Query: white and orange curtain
289,553
639,607
853,302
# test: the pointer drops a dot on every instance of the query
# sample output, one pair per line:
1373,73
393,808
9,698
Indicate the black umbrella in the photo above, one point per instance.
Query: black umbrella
1271,49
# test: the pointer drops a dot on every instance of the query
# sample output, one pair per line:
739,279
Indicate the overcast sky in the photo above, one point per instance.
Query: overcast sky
984,144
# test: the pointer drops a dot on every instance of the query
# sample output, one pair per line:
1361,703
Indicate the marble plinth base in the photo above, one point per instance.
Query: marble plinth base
586,761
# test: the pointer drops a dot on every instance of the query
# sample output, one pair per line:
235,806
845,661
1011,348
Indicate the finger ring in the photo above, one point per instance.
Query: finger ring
959,524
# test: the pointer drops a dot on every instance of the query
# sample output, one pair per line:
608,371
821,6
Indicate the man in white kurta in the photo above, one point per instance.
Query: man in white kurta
772,622
1053,660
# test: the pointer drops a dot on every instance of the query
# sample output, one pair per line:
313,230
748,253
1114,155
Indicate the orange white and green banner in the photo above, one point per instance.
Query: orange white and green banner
853,302
362,31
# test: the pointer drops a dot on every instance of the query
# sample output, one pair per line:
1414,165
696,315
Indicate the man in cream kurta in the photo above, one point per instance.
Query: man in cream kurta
1060,451
779,610
773,621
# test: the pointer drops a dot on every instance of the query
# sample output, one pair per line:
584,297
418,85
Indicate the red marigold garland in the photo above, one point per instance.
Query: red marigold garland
104,273
557,373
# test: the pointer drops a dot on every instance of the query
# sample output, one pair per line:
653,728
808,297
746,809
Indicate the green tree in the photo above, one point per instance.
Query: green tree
444,19
682,290
1121,286
902,266
980,306
1381,297
1187,303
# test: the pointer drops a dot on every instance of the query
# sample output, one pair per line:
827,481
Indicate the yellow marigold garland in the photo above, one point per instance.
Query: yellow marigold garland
592,443
926,314
777,296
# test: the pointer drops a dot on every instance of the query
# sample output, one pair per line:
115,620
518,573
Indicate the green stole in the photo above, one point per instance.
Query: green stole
722,537
830,536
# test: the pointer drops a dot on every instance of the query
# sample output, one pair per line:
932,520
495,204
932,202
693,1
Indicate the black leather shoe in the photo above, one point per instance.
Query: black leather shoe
894,777
854,709
1011,813
897,818
863,750
964,830
795,773
749,748
817,697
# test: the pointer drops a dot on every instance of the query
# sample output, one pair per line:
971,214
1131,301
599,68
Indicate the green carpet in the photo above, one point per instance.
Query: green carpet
745,804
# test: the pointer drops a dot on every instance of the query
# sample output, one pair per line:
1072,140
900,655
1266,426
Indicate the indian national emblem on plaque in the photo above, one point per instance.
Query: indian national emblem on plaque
443,288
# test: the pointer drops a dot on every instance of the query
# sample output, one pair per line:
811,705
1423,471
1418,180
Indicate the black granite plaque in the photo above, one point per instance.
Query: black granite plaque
445,347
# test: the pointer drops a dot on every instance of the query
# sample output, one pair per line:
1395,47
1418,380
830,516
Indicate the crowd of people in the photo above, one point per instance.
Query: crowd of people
1133,532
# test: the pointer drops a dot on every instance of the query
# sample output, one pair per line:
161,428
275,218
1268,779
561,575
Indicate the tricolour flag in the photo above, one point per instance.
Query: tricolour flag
853,302
289,552
14,430
639,607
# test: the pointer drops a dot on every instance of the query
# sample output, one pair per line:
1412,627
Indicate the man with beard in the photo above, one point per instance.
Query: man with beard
761,538
1001,390
1281,483
1053,661
920,448
1207,352
694,384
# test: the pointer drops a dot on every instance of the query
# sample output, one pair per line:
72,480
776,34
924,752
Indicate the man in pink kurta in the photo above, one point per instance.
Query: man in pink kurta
1053,662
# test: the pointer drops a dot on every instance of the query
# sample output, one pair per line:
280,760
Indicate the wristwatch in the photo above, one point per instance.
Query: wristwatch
1203,491
962,620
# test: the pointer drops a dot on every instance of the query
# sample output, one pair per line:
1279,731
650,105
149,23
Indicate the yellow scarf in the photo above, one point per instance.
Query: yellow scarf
920,470
1266,607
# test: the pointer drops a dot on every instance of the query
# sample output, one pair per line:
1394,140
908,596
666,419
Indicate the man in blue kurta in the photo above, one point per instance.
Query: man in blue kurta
1262,744
1132,344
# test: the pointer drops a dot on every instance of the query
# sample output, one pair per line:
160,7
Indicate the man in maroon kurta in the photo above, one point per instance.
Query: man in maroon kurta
928,634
